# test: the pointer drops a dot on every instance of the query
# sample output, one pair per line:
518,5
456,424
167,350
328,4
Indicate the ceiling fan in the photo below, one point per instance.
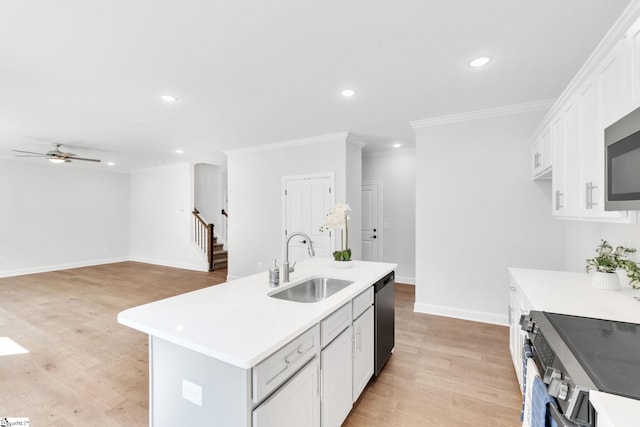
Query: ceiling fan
55,155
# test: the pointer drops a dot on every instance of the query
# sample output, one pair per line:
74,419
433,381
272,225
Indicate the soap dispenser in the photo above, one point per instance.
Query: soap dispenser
274,274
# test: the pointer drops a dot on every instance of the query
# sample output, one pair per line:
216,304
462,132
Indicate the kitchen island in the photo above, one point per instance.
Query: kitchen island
218,355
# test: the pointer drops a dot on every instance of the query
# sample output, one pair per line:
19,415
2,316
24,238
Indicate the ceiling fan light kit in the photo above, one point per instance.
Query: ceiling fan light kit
55,155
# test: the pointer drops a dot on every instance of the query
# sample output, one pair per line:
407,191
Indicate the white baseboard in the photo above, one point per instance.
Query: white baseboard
461,313
183,265
67,266
406,279
55,267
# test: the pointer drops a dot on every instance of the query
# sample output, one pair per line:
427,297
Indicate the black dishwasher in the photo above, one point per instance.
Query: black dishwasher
384,304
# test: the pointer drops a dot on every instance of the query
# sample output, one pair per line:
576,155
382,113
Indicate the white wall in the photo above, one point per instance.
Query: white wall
255,199
397,172
161,218
582,238
353,190
477,213
60,216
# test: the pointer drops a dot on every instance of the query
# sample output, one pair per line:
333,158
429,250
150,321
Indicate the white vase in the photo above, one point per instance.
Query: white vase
342,264
606,281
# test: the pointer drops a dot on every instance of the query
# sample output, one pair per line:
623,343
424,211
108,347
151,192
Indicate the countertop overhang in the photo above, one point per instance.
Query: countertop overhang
237,322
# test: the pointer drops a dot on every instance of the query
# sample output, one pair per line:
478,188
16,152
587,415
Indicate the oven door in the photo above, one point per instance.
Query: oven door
560,419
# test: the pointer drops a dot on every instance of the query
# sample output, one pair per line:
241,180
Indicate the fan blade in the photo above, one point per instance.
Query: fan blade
85,159
28,152
30,155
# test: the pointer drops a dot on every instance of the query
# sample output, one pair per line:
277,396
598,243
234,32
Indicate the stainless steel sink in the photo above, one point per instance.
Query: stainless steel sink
312,290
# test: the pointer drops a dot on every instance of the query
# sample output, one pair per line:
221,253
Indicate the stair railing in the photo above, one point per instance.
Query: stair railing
203,235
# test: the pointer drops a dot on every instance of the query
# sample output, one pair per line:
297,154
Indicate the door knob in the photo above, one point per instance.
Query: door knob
374,230
374,236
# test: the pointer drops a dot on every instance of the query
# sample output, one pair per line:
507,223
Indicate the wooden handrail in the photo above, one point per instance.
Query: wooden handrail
203,234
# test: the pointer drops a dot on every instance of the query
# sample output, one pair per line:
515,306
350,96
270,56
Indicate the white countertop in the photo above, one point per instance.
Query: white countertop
615,411
571,293
237,322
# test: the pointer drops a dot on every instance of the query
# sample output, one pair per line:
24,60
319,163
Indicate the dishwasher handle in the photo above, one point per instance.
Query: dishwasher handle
384,282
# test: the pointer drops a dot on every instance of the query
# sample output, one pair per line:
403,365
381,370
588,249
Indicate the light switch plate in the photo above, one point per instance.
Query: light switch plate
192,392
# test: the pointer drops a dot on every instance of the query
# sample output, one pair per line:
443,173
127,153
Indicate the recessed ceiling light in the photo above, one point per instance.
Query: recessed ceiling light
168,98
110,164
480,61
397,145
348,93
178,151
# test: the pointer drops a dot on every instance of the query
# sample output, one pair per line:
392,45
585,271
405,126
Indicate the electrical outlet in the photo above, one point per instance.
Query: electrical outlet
192,392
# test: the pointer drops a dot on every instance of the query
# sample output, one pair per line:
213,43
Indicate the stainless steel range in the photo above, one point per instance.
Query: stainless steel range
578,354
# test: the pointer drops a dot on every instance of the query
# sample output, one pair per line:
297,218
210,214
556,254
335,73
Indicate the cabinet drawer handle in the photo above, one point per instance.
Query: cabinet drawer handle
291,358
286,366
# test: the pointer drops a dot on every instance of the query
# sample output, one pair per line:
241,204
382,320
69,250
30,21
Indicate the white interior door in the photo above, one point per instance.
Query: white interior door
370,228
307,201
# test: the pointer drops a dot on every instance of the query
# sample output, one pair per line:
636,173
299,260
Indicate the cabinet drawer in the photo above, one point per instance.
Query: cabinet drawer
335,323
278,367
362,302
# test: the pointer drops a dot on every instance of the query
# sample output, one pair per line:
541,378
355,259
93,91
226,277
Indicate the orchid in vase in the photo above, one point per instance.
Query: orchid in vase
337,219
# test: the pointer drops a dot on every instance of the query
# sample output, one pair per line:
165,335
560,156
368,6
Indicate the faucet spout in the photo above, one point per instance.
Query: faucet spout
285,265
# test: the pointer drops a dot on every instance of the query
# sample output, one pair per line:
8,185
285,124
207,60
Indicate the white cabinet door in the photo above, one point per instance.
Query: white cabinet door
363,337
633,54
614,85
336,373
517,336
295,404
541,155
566,158
592,154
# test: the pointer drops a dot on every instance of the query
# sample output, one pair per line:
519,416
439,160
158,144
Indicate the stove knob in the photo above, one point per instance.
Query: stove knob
550,375
564,391
558,388
526,323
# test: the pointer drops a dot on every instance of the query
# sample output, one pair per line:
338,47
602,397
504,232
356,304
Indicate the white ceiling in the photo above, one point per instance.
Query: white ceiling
89,74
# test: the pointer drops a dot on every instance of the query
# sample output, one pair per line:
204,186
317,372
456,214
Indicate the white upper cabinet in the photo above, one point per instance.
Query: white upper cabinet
614,85
564,140
541,155
605,90
632,46
604,98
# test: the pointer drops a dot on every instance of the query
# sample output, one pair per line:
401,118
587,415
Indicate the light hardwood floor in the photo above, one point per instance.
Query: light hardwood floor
85,369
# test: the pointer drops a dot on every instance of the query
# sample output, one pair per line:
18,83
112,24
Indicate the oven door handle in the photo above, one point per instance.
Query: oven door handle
559,418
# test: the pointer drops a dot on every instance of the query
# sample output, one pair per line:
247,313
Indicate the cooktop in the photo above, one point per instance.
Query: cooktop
608,351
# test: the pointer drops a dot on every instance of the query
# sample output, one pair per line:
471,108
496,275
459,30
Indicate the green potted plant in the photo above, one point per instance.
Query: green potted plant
608,261
337,219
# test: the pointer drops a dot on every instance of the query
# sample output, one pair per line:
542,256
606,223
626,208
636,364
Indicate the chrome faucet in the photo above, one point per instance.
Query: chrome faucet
285,265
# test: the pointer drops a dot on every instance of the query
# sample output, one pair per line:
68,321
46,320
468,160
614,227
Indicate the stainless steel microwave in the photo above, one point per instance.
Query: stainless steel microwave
622,164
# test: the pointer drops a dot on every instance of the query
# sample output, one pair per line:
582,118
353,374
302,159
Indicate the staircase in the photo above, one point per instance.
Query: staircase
208,243
219,255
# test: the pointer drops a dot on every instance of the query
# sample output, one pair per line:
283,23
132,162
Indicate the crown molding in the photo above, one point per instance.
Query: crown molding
483,114
616,33
389,152
332,137
355,141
